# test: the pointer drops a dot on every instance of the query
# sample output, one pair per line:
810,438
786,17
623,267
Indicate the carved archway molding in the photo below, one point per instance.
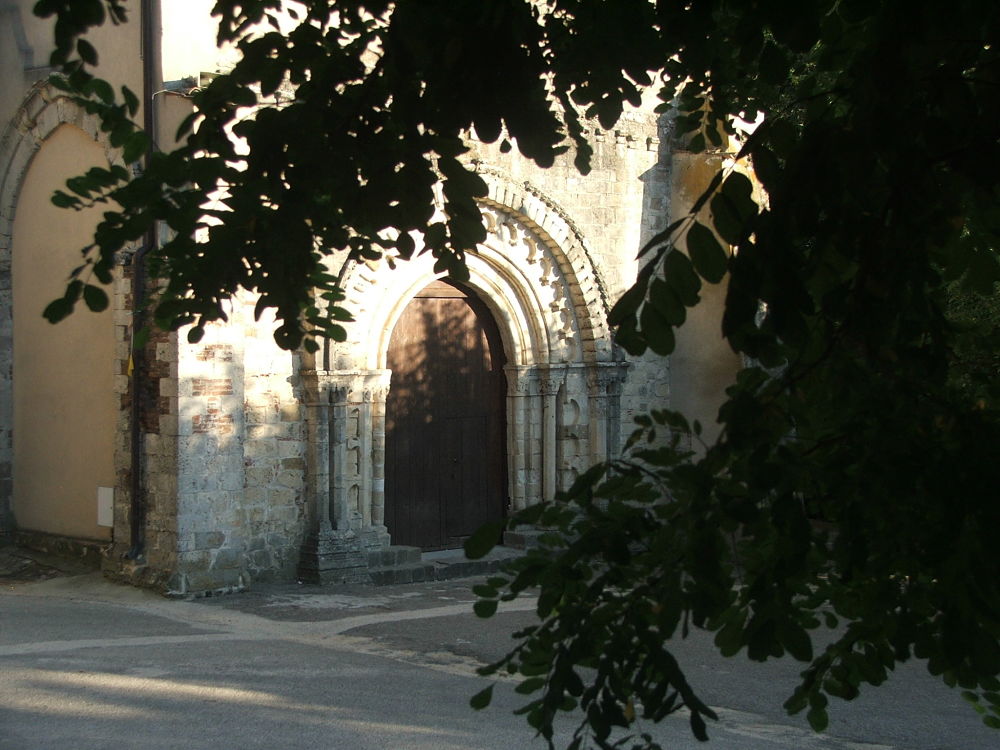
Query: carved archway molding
536,276
553,226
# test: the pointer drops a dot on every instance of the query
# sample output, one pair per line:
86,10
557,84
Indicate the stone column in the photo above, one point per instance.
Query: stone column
549,389
317,412
604,388
517,435
331,552
375,535
340,514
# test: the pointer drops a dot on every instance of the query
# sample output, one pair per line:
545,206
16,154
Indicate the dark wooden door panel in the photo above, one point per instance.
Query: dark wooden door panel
445,427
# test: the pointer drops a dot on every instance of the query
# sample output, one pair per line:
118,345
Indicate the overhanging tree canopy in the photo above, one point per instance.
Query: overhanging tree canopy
854,483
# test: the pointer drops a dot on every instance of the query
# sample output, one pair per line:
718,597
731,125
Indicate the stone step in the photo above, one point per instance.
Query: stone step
397,554
403,573
523,537
440,566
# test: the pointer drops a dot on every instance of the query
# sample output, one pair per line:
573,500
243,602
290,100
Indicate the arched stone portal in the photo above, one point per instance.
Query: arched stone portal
445,441
563,379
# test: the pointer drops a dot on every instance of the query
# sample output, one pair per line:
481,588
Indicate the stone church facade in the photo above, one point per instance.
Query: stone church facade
208,466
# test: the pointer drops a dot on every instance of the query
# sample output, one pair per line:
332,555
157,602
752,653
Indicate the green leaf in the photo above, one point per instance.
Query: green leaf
679,274
135,147
482,699
796,640
730,638
485,608
131,101
818,719
86,51
65,200
667,302
102,89
530,685
698,728
656,330
627,305
483,540
797,702
707,255
739,188
733,208
628,338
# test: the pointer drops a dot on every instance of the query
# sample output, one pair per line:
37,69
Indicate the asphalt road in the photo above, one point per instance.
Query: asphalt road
86,664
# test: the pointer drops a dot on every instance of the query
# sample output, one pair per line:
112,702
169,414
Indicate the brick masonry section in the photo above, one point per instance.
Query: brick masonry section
213,423
211,386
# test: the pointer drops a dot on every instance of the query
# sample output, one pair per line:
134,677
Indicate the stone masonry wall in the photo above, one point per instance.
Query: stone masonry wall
211,427
241,466
274,455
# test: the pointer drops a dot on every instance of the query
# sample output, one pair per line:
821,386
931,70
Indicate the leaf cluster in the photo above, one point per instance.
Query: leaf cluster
339,133
853,485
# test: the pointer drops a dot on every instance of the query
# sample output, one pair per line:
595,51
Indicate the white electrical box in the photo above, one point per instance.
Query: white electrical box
105,506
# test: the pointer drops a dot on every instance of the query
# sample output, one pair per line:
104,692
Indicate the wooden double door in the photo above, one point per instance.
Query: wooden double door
445,459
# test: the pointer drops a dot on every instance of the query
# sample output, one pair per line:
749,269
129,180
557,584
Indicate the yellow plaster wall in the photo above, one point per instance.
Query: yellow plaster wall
65,409
703,365
118,49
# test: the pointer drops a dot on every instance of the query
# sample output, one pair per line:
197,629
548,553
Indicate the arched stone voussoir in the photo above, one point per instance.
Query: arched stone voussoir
377,298
534,272
560,234
43,111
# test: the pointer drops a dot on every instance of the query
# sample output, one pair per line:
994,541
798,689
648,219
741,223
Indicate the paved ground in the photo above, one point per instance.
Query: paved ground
87,664
18,565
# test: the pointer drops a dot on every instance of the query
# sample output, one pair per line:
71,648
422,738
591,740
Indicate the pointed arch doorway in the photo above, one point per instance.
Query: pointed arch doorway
445,454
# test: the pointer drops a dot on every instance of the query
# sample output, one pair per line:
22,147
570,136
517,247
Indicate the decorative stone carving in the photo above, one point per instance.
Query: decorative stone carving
604,386
350,524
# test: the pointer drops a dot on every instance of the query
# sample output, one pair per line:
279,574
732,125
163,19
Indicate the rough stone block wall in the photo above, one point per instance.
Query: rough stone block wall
274,455
241,458
211,428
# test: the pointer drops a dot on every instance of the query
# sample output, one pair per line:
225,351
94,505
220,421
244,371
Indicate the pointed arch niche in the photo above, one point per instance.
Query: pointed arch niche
50,480
537,279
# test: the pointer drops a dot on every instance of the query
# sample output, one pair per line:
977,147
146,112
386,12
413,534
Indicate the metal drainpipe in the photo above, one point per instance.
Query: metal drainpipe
137,516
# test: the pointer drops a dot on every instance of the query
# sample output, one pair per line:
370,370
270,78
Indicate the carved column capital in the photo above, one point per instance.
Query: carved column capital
375,385
521,381
606,378
548,385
